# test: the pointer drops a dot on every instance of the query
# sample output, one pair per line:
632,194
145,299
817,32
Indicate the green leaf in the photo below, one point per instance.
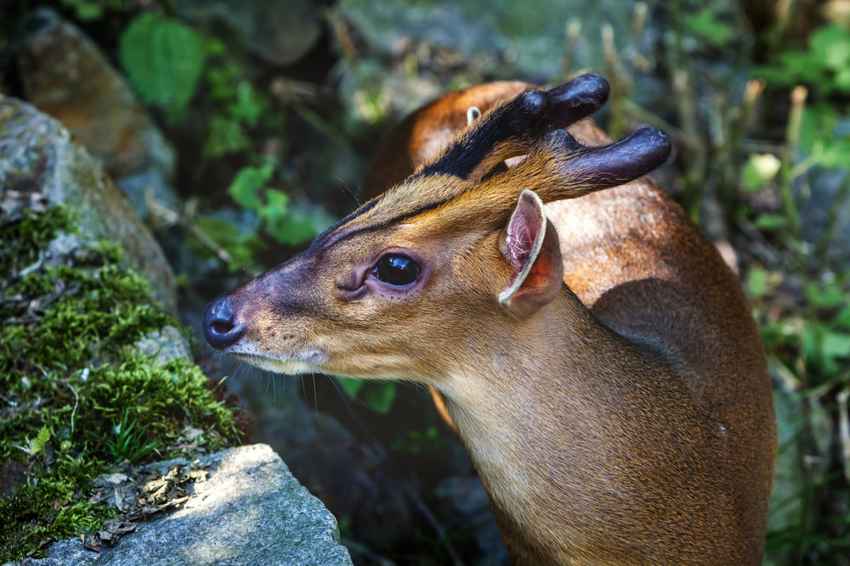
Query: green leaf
248,106
818,125
706,26
351,386
758,170
771,222
302,223
842,80
831,296
37,444
225,135
277,205
842,319
242,247
379,396
835,346
222,232
836,154
85,10
757,284
247,181
163,59
831,46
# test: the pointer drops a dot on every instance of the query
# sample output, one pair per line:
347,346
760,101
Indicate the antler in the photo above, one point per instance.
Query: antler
561,168
514,127
556,167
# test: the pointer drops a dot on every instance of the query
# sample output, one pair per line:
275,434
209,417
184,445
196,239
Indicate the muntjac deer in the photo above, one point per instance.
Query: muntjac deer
597,357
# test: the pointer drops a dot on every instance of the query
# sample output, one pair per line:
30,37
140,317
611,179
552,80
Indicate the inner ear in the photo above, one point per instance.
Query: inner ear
530,244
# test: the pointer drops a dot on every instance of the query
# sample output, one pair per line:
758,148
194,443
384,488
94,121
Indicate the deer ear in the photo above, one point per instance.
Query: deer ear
530,244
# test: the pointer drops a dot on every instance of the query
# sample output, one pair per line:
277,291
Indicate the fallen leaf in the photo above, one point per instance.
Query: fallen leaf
114,478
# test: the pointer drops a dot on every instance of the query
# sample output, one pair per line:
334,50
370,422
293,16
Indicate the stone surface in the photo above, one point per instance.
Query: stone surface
249,511
37,156
351,478
65,76
167,345
529,37
279,32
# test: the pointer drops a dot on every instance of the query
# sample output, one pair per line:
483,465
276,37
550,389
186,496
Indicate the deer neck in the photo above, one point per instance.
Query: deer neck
534,381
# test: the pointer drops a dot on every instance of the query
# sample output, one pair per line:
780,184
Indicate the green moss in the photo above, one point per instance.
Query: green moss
50,508
70,377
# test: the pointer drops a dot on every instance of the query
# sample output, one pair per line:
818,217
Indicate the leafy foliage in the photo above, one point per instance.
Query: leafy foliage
88,10
826,64
705,25
377,395
128,442
51,508
163,59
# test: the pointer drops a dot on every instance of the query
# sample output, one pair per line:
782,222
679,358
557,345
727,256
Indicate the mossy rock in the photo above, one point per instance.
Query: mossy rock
77,393
40,166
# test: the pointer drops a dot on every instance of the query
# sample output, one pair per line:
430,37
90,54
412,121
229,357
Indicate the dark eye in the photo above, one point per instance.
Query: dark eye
396,270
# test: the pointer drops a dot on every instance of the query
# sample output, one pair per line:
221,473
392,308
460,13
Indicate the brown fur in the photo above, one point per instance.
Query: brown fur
628,421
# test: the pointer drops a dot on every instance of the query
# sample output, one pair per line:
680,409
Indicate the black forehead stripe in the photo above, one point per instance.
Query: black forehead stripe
395,220
461,159
322,238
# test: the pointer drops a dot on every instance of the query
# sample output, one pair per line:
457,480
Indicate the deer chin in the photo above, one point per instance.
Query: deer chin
286,367
308,361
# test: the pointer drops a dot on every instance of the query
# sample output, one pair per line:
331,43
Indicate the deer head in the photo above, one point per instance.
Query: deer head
459,249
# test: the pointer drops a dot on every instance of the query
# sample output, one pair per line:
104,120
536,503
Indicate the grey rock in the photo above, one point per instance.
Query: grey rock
169,344
65,76
63,553
38,158
249,511
529,38
148,181
279,32
351,478
62,248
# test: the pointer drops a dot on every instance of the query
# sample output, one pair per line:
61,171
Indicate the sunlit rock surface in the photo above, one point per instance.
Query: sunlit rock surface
250,510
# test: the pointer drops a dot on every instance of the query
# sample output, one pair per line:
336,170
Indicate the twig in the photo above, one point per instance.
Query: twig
12,403
844,427
172,217
730,189
638,24
617,121
572,35
322,125
792,136
435,524
686,108
825,236
76,402
32,268
641,114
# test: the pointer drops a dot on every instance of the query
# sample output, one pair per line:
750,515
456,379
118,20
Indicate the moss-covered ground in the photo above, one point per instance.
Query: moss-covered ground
75,396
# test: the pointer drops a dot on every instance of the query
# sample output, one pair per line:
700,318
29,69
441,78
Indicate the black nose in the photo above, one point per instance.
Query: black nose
220,325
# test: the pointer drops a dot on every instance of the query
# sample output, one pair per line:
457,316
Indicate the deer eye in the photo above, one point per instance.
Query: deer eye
396,270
